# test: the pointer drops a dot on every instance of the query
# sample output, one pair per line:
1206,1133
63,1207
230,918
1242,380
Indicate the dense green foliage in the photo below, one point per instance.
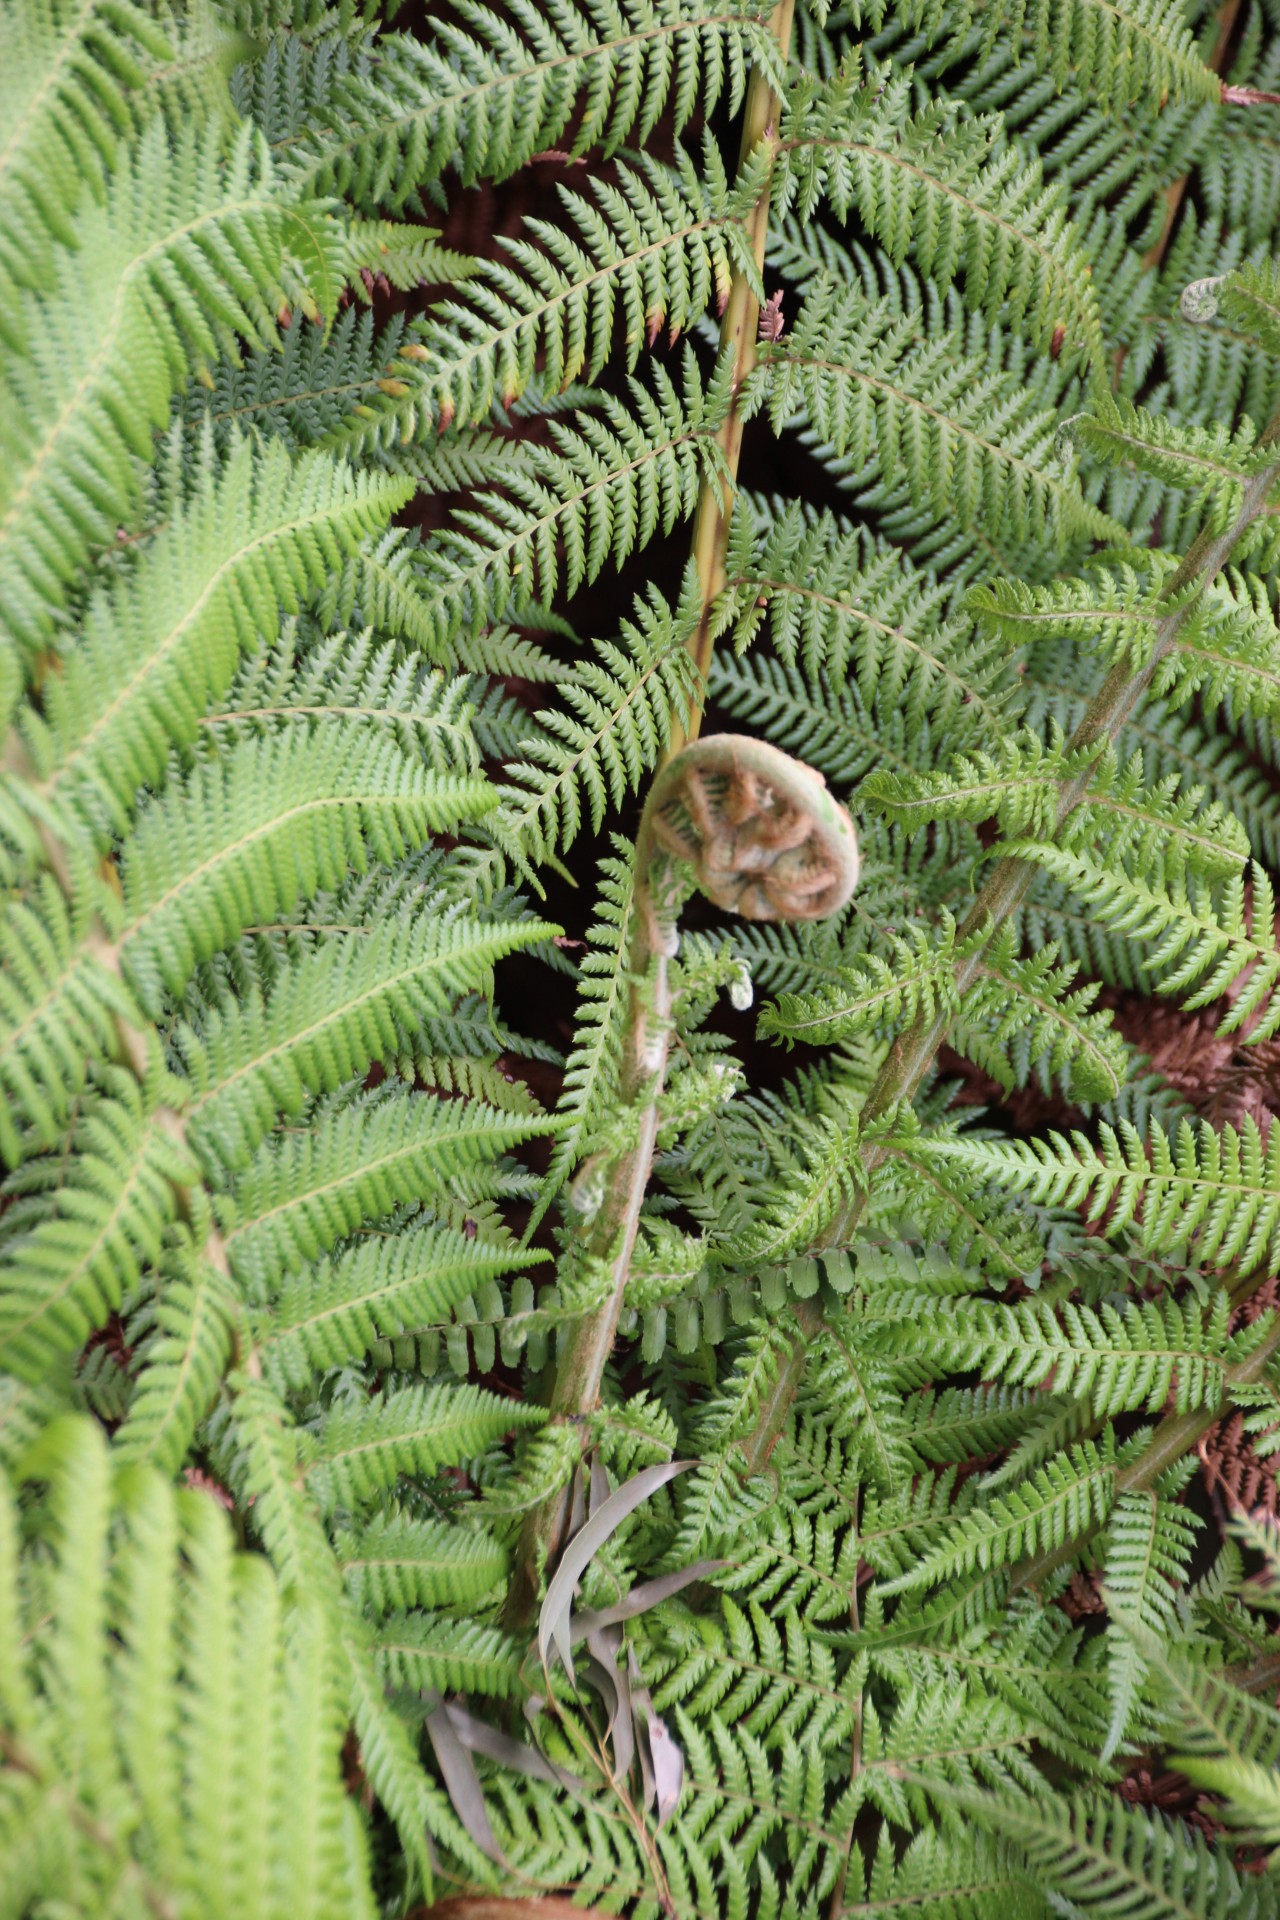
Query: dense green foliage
285,783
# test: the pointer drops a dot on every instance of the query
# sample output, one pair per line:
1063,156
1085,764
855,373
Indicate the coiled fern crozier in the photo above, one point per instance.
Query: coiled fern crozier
664,1461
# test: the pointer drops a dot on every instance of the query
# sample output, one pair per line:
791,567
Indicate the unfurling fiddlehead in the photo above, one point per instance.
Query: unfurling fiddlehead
764,837
760,835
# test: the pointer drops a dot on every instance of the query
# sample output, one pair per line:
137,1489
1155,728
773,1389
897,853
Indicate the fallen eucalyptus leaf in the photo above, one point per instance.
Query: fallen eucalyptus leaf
553,1619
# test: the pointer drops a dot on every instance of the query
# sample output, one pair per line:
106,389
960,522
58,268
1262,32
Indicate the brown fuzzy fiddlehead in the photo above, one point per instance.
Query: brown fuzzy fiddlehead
762,837
760,831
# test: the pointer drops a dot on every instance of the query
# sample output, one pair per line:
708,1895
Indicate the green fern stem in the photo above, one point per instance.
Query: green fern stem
913,1052
738,336
758,832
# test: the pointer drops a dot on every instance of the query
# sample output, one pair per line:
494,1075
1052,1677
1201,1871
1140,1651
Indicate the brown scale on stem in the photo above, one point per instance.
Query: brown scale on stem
763,838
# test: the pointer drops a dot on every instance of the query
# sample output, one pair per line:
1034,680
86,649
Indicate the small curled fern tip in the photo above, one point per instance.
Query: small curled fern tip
761,832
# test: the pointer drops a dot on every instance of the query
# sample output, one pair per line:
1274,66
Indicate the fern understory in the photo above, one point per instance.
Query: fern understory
521,1389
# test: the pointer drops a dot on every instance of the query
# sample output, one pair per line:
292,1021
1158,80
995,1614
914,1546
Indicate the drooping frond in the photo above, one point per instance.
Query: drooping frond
967,440
491,90
659,247
188,251
70,81
947,190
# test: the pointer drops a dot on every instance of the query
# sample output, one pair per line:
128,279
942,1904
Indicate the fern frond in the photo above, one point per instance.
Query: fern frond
969,441
353,999
488,91
82,1230
594,1064
833,598
1074,1493
332,1313
1214,463
256,537
183,1364
623,708
397,1561
1118,1859
950,191
1220,1191
188,252
659,247
70,85
301,1193
363,1447
1119,1358
603,490
264,823
219,1711
1150,1542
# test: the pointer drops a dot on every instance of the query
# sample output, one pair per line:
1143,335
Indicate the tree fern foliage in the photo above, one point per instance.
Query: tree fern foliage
345,626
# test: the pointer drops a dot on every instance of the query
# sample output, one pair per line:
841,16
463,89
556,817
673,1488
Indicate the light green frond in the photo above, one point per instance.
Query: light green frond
623,708
416,1652
948,190
491,90
1150,1542
79,1230
364,1446
398,1561
69,86
1217,1190
256,538
659,248
1075,1492
243,836
606,487
1105,1858
211,1762
384,1286
188,252
592,1069
1214,464
354,998
303,1191
1138,51
971,442
834,598
184,1362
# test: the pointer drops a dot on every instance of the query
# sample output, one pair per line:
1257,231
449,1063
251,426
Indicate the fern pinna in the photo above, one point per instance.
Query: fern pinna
749,1480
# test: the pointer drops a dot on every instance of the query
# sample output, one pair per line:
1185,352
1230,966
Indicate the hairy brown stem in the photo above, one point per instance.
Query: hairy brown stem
761,835
738,332
913,1053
